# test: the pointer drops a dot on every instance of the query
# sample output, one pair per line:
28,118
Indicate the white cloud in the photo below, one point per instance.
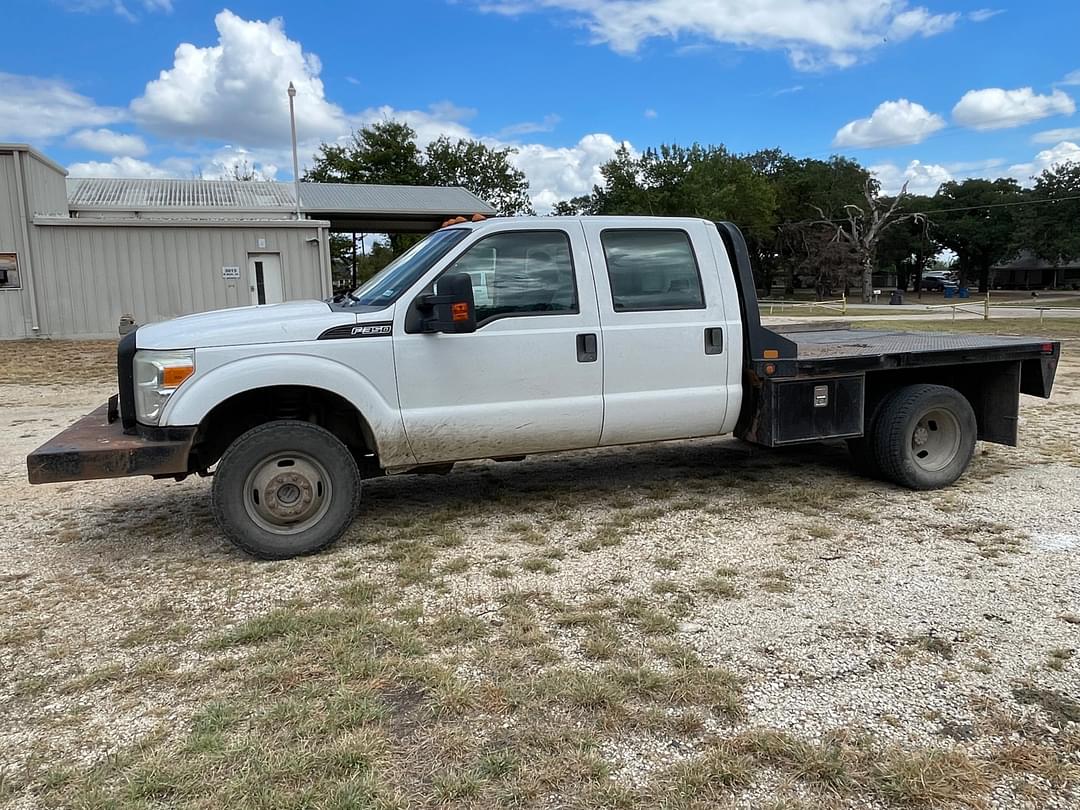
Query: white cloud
128,167
920,22
429,124
558,173
814,33
922,178
546,124
650,113
1072,79
38,109
984,14
109,142
118,7
1057,135
225,162
235,90
1064,152
891,124
995,108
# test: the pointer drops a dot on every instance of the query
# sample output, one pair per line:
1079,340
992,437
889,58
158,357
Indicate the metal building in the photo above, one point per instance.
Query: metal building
77,255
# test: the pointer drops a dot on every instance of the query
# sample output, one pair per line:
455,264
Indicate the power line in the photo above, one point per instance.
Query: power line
951,210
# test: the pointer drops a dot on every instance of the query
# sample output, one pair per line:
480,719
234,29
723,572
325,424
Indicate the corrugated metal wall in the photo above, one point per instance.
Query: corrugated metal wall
89,275
14,303
46,187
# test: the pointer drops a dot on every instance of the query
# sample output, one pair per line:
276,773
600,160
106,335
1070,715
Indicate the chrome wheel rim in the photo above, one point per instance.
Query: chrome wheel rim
935,441
287,493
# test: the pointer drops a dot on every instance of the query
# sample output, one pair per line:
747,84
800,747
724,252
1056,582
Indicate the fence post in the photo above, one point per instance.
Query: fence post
986,307
843,299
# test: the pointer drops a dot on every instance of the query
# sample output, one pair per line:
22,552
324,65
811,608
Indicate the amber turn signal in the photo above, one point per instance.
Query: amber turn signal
172,376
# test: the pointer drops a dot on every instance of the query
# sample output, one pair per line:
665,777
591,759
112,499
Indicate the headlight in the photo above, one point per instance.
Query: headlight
157,375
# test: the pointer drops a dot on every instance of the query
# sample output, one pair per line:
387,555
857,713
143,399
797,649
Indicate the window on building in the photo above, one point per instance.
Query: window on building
520,273
652,269
9,271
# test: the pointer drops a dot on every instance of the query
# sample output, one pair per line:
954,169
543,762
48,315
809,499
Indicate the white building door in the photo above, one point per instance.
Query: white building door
264,278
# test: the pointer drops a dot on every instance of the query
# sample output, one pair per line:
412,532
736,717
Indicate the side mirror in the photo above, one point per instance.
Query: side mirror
451,309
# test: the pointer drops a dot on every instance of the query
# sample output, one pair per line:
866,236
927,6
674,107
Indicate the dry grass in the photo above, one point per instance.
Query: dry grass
422,678
35,362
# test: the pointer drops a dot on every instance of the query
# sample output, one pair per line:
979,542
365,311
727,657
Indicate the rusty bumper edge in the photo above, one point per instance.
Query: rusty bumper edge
95,448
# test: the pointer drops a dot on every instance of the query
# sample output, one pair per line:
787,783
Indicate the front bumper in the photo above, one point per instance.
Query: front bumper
97,447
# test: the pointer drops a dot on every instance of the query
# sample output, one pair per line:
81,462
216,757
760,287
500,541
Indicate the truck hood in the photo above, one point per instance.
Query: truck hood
273,323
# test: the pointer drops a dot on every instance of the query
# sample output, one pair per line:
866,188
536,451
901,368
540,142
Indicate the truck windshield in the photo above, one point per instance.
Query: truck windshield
388,284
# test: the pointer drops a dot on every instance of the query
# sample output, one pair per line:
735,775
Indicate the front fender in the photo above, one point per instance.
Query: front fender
191,403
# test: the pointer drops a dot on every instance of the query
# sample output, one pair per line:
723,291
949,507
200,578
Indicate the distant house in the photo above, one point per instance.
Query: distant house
1028,272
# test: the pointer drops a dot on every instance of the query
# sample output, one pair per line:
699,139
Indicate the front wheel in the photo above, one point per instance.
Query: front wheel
284,489
924,436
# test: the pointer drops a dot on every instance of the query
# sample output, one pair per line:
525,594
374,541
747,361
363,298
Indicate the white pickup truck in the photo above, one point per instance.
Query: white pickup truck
508,337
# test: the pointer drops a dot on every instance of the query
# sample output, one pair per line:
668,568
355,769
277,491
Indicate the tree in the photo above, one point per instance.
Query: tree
909,247
805,189
243,171
485,171
865,227
975,221
696,181
385,153
1051,228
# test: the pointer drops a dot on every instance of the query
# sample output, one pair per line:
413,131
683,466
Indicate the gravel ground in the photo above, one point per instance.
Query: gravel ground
928,619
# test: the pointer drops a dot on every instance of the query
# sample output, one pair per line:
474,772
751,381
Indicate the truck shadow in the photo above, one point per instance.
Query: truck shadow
591,478
177,520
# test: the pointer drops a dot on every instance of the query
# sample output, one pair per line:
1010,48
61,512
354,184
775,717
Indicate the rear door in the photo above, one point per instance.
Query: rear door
529,379
666,339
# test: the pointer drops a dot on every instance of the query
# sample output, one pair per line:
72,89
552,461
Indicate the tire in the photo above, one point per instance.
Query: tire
924,436
284,489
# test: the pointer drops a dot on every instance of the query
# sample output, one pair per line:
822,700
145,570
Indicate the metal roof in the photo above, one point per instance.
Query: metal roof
232,196
440,200
177,195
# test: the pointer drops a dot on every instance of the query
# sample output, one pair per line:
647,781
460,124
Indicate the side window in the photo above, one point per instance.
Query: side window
520,273
652,269
9,271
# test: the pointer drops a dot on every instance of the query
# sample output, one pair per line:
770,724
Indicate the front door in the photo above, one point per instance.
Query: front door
264,278
530,378
666,337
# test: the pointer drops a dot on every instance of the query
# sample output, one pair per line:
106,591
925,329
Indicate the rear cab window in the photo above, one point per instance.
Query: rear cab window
652,269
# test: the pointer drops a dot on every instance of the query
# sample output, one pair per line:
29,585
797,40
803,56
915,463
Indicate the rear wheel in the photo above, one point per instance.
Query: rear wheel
924,436
284,489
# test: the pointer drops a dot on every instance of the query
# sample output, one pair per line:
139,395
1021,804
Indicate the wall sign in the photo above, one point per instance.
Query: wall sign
230,273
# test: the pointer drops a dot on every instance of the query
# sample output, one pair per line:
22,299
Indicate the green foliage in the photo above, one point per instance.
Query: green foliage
485,171
1051,230
385,152
981,236
909,247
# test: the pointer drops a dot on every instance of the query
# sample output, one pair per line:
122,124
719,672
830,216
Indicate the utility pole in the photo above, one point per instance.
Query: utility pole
295,159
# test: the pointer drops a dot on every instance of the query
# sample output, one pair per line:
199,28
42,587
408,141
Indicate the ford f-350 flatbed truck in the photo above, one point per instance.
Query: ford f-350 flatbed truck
509,337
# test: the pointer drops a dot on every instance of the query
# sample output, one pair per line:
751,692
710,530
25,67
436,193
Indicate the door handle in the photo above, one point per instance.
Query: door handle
586,348
714,340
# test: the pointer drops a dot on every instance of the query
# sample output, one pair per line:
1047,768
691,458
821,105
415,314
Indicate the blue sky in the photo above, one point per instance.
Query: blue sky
923,92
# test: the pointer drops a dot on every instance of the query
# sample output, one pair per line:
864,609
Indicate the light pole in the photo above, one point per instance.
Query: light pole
295,160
